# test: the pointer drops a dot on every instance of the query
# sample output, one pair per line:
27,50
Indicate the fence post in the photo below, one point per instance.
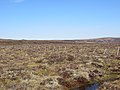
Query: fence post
94,50
118,51
105,51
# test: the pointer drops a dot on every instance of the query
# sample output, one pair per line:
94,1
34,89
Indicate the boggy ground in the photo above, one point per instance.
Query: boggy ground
52,66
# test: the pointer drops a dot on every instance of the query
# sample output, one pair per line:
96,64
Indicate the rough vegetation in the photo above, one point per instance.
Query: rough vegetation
58,65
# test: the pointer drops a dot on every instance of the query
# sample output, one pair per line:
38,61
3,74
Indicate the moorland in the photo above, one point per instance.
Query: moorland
59,64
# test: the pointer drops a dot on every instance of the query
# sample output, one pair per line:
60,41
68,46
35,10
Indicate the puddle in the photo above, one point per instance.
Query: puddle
90,87
93,87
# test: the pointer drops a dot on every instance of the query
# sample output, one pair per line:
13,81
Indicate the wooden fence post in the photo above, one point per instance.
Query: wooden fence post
94,50
118,51
105,51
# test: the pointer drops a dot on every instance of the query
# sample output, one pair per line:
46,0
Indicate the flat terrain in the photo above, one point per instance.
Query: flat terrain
58,65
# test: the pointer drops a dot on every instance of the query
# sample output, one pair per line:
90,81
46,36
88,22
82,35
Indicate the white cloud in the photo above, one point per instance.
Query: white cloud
17,1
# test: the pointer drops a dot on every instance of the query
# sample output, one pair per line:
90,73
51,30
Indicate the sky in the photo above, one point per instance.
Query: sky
59,19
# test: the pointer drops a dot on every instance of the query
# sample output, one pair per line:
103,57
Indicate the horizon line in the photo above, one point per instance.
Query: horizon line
56,39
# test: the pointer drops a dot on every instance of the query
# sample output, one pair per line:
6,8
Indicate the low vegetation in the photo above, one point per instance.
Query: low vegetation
58,65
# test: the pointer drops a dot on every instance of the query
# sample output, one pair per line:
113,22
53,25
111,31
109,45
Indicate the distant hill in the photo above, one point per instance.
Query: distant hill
5,39
98,40
105,40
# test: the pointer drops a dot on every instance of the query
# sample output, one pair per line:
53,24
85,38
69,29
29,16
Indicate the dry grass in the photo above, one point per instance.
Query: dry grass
55,66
